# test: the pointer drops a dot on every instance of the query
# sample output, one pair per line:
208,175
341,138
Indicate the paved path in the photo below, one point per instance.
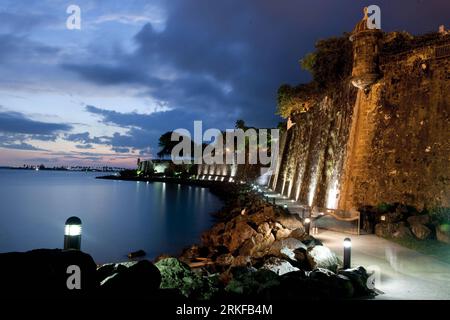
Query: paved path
404,273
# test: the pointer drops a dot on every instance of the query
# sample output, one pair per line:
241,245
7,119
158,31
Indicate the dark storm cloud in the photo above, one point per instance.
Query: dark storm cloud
17,141
19,48
83,137
103,74
16,122
120,150
144,130
220,61
84,146
21,146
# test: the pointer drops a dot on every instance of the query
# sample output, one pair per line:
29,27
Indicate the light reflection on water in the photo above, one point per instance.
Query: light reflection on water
118,216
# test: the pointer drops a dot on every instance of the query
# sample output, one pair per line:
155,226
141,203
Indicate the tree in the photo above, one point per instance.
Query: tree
166,144
240,124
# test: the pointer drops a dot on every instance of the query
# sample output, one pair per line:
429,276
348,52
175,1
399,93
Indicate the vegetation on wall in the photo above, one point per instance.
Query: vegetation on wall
295,98
330,64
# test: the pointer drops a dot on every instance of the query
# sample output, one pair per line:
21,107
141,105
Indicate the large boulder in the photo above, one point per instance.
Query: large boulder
282,233
257,246
392,217
241,261
331,285
402,232
136,278
387,229
283,244
421,231
214,236
177,275
225,260
237,234
264,229
46,272
359,278
420,219
298,233
324,258
289,221
279,266
443,233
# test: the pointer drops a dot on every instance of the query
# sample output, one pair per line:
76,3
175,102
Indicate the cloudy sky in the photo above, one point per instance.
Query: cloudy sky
102,95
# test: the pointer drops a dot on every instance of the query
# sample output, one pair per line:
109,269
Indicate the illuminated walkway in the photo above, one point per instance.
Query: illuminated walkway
403,273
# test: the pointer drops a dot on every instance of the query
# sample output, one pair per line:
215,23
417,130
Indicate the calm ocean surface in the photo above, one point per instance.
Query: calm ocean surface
117,216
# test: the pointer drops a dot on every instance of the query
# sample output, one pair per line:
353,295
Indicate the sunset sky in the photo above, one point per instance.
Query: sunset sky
104,94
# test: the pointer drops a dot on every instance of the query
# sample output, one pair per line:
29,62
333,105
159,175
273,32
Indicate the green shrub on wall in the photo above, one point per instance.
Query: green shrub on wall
330,64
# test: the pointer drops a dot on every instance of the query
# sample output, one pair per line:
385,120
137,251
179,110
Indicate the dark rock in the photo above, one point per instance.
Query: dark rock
241,271
136,254
139,278
386,230
43,272
298,233
422,219
392,217
420,231
402,232
105,270
359,278
310,241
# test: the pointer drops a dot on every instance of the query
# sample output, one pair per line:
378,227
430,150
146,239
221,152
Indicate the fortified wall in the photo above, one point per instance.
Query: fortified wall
382,135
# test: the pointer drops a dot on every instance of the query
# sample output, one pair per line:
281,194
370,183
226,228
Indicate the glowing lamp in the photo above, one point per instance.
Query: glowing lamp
72,234
307,223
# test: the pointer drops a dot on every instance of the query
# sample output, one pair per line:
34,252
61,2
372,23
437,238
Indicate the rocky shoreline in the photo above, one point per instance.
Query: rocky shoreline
255,250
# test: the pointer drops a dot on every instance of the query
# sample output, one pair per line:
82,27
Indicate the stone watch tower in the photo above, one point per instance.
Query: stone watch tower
365,72
365,54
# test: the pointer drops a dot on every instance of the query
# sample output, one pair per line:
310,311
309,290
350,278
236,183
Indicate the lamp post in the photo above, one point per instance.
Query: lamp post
307,223
72,234
347,252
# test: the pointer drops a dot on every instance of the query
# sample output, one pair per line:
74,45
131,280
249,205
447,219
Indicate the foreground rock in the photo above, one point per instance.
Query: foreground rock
261,251
44,272
130,278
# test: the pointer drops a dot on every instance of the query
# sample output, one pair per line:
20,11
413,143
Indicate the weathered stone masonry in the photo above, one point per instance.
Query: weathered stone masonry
382,138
